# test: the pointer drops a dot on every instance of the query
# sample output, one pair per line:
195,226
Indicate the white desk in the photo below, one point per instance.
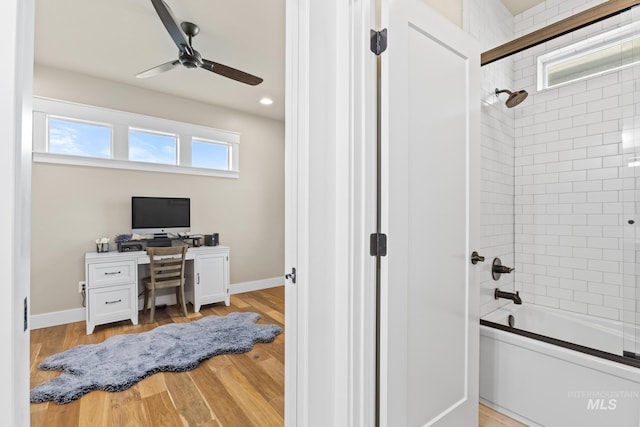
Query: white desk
112,282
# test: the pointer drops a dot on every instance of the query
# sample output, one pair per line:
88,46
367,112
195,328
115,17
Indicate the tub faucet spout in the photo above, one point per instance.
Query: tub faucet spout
515,297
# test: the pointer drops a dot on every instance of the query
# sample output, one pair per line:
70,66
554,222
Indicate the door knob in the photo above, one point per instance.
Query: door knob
475,257
291,275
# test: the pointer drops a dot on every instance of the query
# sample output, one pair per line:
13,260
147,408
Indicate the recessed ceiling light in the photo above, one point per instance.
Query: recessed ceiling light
266,101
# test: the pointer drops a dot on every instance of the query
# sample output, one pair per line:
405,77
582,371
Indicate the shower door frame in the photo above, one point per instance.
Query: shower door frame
560,28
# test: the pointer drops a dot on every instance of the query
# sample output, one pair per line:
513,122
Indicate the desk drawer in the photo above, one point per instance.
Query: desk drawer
111,273
111,304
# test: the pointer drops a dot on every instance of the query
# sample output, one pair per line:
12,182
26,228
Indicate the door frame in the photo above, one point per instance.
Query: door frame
17,26
330,196
335,384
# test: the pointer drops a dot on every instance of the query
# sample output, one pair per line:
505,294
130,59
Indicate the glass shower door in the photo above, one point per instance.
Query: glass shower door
630,81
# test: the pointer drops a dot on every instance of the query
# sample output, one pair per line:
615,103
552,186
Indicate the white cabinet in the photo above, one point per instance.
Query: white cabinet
112,282
111,286
210,281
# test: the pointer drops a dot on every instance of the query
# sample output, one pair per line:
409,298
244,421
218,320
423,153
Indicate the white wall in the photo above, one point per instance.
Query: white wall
73,205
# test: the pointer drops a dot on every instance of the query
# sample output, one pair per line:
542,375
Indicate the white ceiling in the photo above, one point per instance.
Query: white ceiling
519,6
117,39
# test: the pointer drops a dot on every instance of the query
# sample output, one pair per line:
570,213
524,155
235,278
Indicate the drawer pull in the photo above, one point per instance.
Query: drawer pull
110,273
113,302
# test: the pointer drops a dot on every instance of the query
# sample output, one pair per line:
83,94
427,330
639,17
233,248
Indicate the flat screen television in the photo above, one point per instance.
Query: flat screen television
160,215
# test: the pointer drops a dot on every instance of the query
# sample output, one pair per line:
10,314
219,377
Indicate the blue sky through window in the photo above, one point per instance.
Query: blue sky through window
209,155
79,139
152,148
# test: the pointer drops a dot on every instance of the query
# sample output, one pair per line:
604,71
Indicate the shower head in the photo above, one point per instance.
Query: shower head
515,98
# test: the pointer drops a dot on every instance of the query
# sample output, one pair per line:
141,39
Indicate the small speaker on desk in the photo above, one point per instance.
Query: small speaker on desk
211,239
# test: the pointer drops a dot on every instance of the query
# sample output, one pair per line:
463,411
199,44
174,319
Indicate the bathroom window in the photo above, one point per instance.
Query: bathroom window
604,52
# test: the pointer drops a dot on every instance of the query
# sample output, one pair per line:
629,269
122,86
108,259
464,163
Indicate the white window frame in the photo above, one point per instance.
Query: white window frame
567,53
210,141
121,122
154,132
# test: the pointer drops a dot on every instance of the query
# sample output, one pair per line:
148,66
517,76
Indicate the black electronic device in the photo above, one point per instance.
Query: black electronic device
211,239
131,246
160,215
161,243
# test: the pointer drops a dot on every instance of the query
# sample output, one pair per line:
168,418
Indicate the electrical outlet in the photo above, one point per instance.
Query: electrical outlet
81,285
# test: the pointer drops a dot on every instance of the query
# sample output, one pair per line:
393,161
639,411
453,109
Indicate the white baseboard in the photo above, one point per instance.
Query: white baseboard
45,320
256,285
55,318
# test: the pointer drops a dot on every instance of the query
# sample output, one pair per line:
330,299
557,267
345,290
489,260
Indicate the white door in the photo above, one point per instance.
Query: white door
430,210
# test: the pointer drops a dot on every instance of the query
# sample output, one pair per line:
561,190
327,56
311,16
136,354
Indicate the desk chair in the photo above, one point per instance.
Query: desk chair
166,265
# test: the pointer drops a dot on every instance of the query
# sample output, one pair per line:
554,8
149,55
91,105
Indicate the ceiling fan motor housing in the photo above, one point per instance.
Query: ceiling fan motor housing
191,61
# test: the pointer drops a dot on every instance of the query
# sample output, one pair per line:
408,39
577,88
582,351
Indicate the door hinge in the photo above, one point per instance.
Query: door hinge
378,41
378,244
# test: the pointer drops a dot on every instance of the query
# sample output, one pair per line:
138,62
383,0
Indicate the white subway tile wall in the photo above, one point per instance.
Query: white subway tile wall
556,189
570,170
492,24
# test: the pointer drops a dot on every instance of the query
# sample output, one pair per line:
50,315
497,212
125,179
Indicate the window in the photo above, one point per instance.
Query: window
598,54
152,147
76,134
209,154
76,138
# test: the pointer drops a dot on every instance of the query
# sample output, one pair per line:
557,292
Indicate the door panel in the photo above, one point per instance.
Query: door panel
430,101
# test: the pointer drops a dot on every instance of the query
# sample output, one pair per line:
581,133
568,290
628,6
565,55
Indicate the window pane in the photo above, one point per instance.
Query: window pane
209,155
152,147
595,62
79,138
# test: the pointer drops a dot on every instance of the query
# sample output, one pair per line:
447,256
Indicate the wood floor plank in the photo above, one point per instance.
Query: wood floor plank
261,381
161,411
95,409
255,407
133,414
187,399
63,415
491,418
225,409
151,385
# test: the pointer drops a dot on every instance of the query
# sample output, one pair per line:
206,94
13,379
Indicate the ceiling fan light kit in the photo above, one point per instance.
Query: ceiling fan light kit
182,35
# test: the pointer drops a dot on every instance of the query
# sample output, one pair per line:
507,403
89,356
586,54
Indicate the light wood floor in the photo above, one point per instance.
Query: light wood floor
490,418
225,391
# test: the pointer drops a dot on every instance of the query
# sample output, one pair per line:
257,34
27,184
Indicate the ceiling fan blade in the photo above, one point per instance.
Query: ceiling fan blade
158,69
173,27
231,73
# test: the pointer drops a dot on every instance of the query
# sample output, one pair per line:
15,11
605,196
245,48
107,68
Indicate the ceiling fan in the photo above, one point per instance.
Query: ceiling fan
182,36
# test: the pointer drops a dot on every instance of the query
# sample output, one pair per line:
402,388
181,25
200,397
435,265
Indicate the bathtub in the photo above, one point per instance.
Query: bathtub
554,368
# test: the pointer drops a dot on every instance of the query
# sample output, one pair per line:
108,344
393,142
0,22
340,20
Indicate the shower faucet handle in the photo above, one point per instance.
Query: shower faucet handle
475,257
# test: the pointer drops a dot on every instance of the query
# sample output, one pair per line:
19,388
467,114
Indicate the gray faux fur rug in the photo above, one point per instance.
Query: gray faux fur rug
121,361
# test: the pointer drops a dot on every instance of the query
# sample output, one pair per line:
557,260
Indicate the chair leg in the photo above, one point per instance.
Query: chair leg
146,299
153,304
184,306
